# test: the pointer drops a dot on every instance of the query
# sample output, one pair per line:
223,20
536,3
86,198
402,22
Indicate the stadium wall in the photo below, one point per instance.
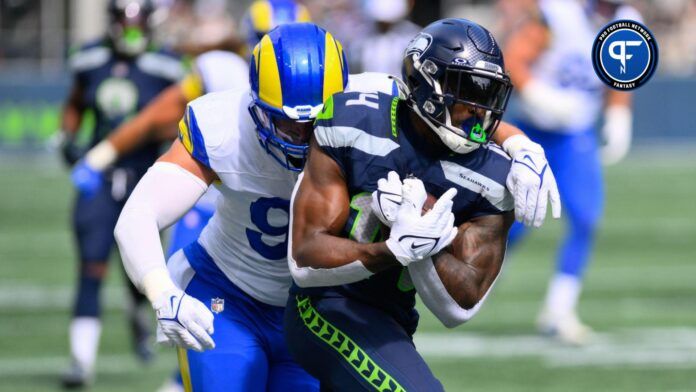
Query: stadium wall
30,108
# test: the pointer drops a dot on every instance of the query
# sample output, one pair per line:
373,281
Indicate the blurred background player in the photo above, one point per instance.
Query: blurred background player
388,34
263,15
548,55
114,77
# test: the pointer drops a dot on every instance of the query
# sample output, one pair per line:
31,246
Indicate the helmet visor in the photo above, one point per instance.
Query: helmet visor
477,88
483,94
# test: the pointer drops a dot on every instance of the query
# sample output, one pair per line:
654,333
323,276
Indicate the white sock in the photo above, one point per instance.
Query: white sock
84,341
563,293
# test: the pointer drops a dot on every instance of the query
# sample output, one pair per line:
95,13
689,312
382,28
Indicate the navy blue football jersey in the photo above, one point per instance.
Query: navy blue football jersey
116,88
369,135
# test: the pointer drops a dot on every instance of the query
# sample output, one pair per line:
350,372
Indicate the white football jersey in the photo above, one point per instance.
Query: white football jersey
247,235
567,63
218,70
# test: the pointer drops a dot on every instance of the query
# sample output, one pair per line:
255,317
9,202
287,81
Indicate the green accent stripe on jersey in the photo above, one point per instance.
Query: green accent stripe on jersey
346,347
327,111
404,283
394,104
360,216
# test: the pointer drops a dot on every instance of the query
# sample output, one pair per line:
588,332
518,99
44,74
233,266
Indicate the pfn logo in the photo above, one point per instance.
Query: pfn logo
624,55
621,55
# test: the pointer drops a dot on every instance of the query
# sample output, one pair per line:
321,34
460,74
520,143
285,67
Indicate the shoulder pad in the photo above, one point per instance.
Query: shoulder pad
351,119
370,112
221,70
206,124
161,64
89,56
372,82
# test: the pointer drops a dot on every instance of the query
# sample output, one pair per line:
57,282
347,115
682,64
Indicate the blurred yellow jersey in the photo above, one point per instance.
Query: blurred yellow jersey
215,71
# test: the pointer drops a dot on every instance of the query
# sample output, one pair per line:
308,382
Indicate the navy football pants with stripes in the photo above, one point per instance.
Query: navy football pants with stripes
352,346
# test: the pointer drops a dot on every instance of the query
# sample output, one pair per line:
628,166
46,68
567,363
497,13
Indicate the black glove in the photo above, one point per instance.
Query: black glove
70,151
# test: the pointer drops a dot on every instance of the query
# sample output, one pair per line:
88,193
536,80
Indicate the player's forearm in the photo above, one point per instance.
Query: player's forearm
71,120
474,260
334,263
158,120
463,280
505,131
71,117
323,250
438,298
162,196
455,288
618,98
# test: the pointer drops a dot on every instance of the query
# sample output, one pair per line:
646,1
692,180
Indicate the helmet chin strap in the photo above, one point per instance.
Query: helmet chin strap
454,142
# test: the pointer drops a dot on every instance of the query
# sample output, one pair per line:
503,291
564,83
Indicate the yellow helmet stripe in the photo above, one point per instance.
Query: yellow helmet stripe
333,67
255,53
270,90
261,15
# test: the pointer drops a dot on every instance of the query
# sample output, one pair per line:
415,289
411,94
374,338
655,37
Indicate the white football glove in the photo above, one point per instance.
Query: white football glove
387,198
184,320
617,129
414,237
531,181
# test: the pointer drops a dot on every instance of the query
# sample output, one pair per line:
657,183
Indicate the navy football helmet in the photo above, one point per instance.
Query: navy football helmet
451,62
129,25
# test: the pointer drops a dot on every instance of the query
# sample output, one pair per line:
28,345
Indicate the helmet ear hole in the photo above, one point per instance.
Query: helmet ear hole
413,82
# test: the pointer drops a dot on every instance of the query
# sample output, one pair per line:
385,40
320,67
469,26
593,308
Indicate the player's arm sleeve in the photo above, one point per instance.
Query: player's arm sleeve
164,194
437,299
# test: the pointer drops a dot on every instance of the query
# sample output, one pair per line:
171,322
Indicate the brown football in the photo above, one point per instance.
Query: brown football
429,203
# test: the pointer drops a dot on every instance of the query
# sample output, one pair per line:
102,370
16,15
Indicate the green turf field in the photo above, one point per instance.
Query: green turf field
640,295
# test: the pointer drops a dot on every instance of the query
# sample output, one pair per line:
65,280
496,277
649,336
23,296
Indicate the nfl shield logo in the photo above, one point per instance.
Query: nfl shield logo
217,305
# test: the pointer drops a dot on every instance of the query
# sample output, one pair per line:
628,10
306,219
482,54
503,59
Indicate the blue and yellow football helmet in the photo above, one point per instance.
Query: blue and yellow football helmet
263,15
293,70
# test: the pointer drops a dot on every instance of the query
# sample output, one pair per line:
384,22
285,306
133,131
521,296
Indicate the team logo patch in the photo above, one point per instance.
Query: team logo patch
419,44
117,97
217,305
625,55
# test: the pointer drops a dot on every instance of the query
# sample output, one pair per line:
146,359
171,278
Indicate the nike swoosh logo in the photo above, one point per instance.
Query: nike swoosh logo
527,157
394,200
385,194
422,244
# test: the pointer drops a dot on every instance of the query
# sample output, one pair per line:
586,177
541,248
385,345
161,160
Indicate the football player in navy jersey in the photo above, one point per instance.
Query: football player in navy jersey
114,78
374,161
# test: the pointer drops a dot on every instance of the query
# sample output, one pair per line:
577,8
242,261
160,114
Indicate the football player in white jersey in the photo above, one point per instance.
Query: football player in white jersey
251,143
213,71
549,59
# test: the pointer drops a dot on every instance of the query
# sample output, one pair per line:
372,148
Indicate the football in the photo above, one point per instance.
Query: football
429,203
